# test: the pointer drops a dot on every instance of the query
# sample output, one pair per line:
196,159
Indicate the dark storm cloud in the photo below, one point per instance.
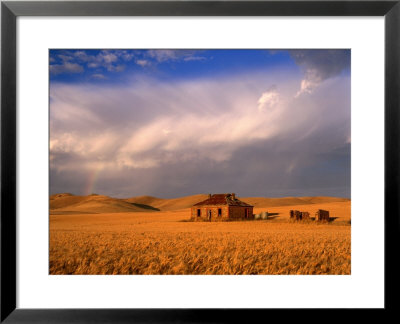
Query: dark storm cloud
327,63
320,65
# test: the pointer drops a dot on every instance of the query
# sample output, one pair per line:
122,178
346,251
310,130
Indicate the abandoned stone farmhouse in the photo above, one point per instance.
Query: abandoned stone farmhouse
219,207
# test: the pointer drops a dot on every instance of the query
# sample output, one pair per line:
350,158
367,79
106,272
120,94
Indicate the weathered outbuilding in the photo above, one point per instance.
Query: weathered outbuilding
298,215
322,215
219,207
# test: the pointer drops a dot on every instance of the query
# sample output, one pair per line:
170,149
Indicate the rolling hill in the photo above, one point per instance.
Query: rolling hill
70,204
290,201
67,203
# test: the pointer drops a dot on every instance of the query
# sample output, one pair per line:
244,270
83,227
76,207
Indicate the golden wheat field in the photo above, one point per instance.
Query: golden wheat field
165,242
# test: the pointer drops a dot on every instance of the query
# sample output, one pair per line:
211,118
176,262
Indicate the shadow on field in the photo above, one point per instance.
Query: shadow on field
331,219
145,206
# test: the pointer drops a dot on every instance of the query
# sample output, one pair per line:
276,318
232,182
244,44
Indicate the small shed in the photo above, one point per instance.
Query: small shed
322,215
219,207
298,215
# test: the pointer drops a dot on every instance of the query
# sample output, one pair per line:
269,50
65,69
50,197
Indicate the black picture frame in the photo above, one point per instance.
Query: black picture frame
10,10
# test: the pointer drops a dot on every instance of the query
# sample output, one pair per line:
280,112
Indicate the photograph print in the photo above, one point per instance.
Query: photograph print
200,161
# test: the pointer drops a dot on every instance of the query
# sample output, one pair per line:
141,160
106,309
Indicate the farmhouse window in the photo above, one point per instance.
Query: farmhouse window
219,212
198,212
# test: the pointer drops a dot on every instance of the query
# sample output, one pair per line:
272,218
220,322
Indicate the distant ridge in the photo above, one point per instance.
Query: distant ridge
290,201
168,204
66,203
70,204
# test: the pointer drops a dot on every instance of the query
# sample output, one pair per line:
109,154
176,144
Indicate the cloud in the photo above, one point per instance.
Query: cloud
115,68
107,59
93,65
308,85
82,56
173,55
70,61
143,63
172,126
65,57
66,67
319,65
164,55
269,99
229,134
99,76
195,58
127,55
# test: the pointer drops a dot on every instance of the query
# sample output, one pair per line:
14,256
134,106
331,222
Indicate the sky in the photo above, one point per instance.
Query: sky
173,123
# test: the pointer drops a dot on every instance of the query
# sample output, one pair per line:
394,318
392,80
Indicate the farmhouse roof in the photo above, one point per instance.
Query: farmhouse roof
223,199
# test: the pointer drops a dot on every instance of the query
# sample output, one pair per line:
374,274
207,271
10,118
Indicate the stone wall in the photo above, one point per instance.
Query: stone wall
227,212
205,210
237,212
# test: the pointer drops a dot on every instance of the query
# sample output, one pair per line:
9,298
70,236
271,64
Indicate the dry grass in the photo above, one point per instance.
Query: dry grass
161,243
